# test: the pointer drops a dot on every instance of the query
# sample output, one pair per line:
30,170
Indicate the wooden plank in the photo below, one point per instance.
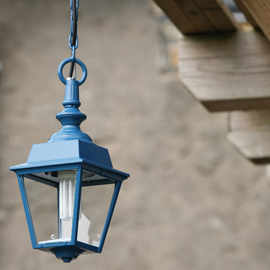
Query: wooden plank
260,11
231,105
196,16
177,16
249,133
227,72
219,14
246,12
223,44
250,121
199,16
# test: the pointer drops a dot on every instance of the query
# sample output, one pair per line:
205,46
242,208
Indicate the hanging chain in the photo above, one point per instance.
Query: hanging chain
73,37
73,45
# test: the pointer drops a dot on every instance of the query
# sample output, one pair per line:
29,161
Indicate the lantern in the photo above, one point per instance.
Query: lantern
68,185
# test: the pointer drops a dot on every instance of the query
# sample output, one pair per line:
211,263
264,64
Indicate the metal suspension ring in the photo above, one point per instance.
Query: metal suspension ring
77,61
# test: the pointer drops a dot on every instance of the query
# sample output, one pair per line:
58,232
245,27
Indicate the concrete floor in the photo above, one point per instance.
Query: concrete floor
191,202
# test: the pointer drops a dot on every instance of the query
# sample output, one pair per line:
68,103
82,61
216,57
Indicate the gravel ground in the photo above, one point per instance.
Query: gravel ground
191,202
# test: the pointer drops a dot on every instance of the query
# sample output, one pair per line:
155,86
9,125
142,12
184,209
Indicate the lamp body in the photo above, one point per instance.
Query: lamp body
92,167
74,170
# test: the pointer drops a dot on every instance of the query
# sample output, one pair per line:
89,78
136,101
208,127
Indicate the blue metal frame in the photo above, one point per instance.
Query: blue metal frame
109,215
77,203
72,249
27,211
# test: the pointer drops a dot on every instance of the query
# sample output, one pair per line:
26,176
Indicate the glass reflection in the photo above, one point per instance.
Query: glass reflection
95,202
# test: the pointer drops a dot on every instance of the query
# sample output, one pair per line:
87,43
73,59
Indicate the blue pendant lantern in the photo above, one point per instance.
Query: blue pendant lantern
68,185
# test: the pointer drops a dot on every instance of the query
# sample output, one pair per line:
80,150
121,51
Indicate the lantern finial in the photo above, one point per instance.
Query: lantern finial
71,117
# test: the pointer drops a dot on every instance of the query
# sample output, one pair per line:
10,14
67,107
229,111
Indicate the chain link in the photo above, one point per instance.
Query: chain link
73,37
73,45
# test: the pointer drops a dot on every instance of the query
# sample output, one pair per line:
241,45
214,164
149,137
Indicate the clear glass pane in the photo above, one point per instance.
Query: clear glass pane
42,200
95,202
51,199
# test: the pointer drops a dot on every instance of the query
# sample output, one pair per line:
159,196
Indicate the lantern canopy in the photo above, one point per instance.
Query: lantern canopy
68,185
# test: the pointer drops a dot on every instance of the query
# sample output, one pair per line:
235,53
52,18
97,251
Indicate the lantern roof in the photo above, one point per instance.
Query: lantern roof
69,152
70,145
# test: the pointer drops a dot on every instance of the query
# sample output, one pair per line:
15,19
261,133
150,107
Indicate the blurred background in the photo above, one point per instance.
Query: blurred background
192,202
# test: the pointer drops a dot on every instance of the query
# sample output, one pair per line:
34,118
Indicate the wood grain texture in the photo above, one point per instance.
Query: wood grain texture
260,11
177,16
199,16
249,121
243,104
227,72
196,16
219,14
246,12
249,133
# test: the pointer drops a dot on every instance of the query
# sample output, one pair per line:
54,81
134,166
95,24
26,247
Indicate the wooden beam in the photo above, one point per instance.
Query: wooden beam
199,16
219,14
260,11
249,133
228,71
246,12
196,16
177,16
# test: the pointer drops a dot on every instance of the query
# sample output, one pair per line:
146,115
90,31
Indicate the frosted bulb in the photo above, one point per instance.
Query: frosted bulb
66,193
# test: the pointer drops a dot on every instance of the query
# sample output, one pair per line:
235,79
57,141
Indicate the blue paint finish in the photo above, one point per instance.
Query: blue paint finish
46,157
41,180
68,250
69,149
67,253
111,174
77,203
76,150
27,211
34,168
58,214
99,155
97,183
71,117
77,61
109,215
60,248
87,246
52,152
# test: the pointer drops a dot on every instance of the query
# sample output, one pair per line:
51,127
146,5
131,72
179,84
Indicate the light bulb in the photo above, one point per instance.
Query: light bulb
66,194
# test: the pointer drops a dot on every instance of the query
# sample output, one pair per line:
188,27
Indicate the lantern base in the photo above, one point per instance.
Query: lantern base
67,254
66,259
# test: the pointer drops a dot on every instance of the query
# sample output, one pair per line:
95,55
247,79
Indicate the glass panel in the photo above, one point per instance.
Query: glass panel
95,202
94,179
51,200
42,200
